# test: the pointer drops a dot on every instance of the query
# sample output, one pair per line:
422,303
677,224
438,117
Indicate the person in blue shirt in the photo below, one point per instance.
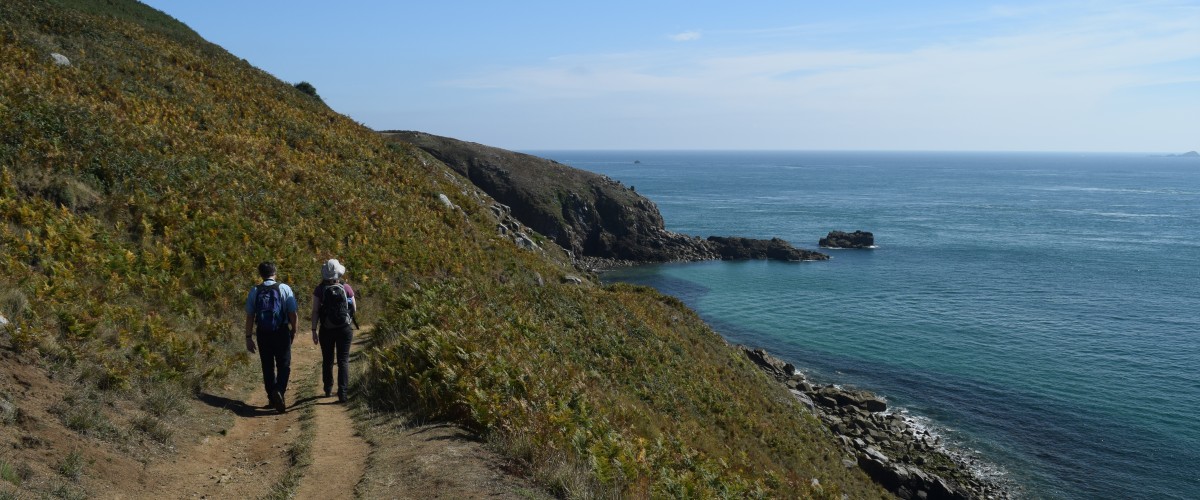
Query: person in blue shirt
271,316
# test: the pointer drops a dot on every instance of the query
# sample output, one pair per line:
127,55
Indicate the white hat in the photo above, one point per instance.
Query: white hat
332,270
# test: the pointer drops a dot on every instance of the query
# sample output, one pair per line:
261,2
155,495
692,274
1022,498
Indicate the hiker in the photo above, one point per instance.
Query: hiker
271,314
333,309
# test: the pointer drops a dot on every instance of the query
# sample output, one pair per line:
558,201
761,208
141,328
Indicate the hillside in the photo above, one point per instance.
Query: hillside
145,172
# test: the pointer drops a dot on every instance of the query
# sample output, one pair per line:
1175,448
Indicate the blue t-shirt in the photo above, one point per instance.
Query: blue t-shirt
289,301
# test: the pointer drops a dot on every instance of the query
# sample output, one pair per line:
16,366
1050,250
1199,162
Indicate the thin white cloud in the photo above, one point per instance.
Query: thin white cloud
685,36
1044,81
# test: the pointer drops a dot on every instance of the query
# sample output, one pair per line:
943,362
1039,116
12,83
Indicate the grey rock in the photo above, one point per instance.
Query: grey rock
60,59
574,280
445,200
525,242
804,399
776,367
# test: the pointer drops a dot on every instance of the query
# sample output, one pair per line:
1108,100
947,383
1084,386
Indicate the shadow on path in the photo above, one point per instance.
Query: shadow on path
242,409
239,408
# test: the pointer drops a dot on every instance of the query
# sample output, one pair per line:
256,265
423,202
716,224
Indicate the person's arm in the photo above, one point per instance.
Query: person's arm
250,333
315,309
250,320
292,322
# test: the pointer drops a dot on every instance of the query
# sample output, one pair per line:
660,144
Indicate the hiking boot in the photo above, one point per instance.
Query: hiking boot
328,392
341,397
280,406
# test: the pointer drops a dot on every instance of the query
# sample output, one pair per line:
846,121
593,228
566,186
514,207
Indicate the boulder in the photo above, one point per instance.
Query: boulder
60,59
775,367
860,399
841,239
524,241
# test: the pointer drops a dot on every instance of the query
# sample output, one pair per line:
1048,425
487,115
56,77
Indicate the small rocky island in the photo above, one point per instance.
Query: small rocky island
842,239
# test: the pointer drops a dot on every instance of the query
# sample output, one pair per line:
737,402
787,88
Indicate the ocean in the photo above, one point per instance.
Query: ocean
1041,311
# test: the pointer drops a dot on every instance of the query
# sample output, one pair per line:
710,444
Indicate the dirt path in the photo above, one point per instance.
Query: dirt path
339,452
255,453
248,459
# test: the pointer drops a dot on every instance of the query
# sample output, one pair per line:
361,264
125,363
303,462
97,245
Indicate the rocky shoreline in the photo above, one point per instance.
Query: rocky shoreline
904,458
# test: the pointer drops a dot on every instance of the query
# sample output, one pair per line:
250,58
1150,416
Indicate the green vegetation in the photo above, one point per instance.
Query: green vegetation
15,474
308,89
142,183
72,465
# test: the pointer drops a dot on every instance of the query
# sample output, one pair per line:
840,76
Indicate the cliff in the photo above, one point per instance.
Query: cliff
586,213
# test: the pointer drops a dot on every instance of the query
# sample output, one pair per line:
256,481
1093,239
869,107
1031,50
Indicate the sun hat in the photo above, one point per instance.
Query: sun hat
332,270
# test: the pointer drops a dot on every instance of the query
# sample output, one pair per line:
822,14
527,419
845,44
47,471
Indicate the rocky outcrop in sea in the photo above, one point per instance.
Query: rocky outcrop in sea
734,248
906,459
842,239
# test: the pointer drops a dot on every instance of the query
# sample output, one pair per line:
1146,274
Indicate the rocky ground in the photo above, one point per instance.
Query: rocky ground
906,459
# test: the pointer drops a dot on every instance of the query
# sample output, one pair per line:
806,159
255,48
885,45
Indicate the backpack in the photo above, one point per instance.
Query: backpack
335,307
268,308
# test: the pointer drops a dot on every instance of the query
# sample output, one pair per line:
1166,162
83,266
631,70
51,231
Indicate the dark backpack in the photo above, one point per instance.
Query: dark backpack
268,308
335,307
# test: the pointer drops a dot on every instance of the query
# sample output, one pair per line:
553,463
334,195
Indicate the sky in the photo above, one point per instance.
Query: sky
766,75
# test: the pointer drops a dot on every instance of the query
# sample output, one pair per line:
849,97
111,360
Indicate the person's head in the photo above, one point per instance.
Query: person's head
332,270
266,269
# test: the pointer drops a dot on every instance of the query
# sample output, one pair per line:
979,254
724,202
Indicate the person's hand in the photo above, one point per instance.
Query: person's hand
250,344
316,338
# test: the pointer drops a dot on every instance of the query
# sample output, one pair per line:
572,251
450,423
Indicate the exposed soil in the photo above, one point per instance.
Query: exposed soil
250,457
230,445
435,461
339,453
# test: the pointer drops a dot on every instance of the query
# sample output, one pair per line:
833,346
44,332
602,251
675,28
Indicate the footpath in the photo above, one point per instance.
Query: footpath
316,450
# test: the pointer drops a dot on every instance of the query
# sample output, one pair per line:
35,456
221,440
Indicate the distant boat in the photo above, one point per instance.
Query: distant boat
637,162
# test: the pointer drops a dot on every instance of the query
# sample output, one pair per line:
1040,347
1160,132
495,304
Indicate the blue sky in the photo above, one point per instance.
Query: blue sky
790,75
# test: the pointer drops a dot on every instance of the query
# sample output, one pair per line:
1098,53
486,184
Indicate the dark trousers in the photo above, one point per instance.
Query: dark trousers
336,339
275,352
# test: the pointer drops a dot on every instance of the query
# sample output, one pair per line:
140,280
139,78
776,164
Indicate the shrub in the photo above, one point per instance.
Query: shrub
308,89
72,465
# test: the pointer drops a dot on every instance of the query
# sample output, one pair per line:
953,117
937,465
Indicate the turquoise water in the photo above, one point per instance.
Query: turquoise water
1041,309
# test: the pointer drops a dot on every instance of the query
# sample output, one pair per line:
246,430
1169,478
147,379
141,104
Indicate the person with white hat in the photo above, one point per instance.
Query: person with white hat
333,311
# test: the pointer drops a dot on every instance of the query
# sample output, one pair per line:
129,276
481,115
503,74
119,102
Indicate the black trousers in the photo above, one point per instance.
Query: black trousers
336,341
275,353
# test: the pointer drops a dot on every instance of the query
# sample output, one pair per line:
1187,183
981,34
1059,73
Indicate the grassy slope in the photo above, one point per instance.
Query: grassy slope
140,186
